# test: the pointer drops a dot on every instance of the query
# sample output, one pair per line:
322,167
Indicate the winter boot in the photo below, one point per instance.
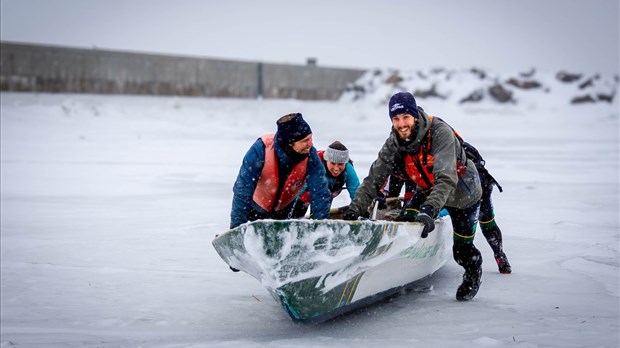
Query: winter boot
502,263
493,235
470,259
471,283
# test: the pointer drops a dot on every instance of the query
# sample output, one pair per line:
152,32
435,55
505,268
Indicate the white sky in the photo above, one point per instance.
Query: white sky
500,35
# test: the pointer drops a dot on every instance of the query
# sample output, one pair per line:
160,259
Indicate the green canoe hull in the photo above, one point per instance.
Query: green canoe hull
318,269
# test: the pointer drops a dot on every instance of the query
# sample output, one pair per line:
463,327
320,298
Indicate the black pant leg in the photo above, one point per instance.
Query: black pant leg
464,223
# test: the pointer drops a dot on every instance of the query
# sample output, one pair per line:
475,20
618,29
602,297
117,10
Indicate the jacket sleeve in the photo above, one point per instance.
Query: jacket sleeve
304,196
316,181
443,150
351,180
246,182
380,169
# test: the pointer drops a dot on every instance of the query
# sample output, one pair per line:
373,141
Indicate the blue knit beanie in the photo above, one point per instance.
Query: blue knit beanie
292,128
403,103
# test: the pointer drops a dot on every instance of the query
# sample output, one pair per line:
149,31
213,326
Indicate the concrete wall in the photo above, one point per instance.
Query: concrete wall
38,68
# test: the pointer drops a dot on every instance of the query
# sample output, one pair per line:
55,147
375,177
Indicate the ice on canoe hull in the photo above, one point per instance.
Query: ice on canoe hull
318,269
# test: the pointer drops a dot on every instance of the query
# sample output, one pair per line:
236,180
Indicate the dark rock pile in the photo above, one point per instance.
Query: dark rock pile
476,85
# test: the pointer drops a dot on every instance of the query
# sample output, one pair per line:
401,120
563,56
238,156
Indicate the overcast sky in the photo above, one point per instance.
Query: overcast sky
500,35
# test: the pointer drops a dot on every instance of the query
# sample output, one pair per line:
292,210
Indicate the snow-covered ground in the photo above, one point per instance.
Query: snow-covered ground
110,204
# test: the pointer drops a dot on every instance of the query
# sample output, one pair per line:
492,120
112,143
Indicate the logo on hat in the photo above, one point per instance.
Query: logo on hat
403,103
396,107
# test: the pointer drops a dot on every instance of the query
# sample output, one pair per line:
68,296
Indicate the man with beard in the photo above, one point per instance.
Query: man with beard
432,155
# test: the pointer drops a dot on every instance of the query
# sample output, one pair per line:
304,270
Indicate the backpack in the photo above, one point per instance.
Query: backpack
472,153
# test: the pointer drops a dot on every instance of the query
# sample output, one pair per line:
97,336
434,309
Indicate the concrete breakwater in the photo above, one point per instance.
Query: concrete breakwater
42,68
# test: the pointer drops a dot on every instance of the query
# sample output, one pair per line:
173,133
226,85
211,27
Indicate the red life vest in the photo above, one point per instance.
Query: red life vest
268,182
420,167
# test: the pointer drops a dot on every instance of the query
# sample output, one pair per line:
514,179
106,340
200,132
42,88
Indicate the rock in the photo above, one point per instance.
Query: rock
432,92
479,72
582,99
529,73
527,84
394,79
589,82
473,97
606,97
500,93
567,77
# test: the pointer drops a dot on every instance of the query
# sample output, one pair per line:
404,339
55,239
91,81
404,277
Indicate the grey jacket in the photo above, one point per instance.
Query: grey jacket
448,189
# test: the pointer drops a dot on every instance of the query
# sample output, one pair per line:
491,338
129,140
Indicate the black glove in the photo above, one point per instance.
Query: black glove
427,217
407,215
350,215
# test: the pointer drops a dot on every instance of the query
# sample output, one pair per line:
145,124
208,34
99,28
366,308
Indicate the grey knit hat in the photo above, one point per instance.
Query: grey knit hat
336,153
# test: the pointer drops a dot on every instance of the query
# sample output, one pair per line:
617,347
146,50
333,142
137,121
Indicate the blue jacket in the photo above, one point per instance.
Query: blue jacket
250,171
351,181
348,178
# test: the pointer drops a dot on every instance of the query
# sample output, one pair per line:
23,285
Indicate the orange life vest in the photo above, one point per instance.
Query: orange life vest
266,191
420,167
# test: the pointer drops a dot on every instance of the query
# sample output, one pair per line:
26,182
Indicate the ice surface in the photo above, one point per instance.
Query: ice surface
110,203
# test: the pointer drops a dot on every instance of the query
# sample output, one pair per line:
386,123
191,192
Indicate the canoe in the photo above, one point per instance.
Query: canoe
318,269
